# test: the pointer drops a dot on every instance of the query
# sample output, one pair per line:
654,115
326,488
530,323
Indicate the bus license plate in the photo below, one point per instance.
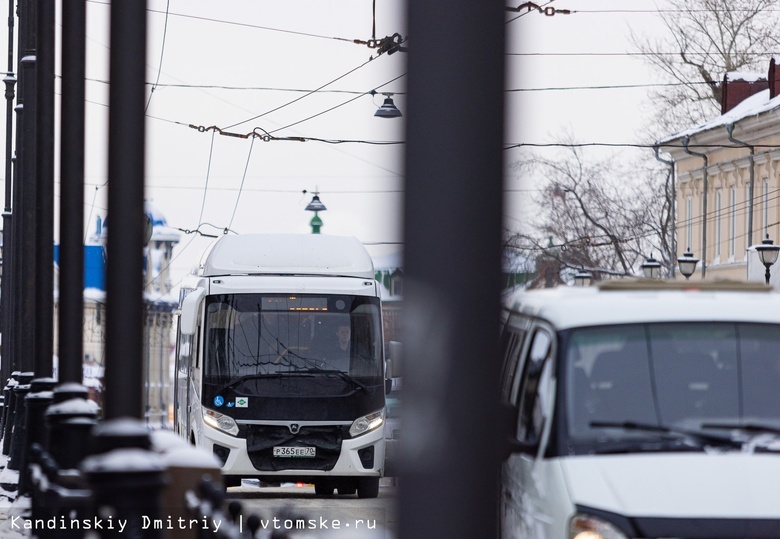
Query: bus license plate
295,451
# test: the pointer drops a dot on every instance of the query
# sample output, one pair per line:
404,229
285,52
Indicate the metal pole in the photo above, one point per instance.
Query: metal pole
6,366
24,210
72,129
751,183
453,208
44,192
124,273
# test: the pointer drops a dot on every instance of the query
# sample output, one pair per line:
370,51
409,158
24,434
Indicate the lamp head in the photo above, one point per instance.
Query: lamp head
388,109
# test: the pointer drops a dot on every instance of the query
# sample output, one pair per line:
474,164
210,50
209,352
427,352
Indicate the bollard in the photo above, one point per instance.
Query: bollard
186,465
8,420
19,421
7,400
35,432
71,423
126,480
70,390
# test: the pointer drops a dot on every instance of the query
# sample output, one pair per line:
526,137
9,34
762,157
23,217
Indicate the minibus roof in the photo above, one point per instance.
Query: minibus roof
644,301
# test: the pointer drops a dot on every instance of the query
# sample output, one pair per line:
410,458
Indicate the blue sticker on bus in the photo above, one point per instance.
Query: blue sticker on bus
219,400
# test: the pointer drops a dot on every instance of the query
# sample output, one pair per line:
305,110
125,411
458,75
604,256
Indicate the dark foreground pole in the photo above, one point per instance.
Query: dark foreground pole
453,209
71,311
44,192
124,273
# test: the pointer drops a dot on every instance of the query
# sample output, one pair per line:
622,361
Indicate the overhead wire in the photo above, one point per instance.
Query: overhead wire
162,53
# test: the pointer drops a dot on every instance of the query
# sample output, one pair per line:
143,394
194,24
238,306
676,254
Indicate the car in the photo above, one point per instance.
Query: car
642,409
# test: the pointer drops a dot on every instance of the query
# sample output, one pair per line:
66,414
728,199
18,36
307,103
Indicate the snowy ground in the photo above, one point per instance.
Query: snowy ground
10,505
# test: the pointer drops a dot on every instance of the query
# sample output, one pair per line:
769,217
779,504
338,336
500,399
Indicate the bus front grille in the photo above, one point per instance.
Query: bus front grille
262,439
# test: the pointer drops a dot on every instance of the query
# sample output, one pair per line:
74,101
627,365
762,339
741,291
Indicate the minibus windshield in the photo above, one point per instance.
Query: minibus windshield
690,376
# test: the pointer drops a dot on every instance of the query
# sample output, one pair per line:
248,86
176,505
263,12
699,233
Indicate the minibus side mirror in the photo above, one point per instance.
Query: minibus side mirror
509,442
190,305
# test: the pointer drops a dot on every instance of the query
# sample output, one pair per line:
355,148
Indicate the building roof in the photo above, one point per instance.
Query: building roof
754,105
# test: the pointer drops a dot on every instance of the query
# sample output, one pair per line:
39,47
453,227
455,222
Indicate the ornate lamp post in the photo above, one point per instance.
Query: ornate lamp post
767,253
582,278
687,263
651,268
316,206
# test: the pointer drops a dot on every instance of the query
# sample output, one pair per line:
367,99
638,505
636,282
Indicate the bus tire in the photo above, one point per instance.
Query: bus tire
368,487
324,487
231,480
347,487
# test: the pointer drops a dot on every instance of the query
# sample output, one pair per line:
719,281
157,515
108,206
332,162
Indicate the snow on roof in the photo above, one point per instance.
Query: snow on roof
274,254
746,76
754,105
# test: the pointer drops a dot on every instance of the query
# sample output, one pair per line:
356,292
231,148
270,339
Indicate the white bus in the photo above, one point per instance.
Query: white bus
280,363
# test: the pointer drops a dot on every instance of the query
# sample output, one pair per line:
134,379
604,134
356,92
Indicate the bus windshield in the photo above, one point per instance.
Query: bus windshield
691,376
257,336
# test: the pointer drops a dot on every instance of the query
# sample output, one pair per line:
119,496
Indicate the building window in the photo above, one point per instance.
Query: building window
718,202
732,221
689,222
765,208
748,210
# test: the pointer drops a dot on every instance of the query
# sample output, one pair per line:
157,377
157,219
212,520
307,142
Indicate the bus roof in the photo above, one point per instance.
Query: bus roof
287,254
641,301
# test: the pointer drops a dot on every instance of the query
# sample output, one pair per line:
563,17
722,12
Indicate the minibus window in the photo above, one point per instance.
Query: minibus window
535,388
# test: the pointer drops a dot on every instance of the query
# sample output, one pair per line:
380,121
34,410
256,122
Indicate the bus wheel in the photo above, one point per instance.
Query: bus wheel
347,487
231,480
323,487
368,487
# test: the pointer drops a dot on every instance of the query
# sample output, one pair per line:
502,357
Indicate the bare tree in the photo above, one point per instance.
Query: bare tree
704,40
596,216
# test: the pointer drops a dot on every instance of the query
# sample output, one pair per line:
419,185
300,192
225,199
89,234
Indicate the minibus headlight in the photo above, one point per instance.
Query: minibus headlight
367,423
584,526
219,421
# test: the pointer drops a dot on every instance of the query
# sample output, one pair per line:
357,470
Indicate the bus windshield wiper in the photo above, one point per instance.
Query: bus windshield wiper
342,374
701,438
251,377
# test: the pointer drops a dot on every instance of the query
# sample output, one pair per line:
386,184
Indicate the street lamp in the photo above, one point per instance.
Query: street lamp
316,206
388,108
767,253
582,278
687,263
651,268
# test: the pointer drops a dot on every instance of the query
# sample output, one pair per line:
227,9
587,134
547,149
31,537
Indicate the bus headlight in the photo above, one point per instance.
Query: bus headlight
367,423
220,421
583,526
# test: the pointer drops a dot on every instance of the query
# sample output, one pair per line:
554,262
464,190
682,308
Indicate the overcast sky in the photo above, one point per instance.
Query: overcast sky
246,64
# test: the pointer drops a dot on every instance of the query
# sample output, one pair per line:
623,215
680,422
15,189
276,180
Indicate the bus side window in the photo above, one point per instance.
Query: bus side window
511,347
534,388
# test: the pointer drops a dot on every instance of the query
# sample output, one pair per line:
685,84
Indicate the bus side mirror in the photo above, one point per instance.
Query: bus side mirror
395,358
190,305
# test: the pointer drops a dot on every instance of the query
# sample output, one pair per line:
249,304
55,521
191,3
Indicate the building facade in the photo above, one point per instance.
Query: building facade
728,178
